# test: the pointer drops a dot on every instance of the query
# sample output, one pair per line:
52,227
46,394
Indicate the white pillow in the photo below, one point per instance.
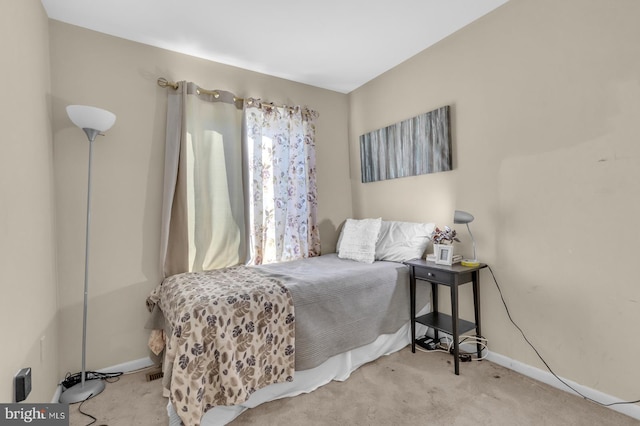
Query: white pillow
358,239
402,241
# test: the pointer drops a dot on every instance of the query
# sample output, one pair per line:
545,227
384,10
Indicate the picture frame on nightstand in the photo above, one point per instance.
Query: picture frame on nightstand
444,255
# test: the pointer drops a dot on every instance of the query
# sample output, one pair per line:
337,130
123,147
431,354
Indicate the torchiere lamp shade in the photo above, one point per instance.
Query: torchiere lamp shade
88,117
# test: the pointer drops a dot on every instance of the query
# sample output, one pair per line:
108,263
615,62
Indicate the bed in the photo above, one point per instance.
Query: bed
327,316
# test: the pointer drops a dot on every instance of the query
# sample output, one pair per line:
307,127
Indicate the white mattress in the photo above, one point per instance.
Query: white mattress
338,367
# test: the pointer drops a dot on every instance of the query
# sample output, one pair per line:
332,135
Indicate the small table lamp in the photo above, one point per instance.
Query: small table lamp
463,217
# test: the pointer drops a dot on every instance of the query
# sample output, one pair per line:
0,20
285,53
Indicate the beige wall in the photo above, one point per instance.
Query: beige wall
28,307
118,75
545,100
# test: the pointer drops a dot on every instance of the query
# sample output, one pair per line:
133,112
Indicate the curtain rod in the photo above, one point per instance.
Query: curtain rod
163,82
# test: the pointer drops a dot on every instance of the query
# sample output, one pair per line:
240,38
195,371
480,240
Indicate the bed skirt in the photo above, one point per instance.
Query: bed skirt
338,367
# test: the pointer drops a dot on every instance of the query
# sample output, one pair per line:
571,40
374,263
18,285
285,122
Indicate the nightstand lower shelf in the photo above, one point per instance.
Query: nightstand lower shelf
443,322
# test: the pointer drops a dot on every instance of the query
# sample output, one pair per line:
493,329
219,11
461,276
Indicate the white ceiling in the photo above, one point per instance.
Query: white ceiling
333,44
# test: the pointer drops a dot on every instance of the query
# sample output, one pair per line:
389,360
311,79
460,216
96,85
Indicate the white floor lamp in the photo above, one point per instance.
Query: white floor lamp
93,121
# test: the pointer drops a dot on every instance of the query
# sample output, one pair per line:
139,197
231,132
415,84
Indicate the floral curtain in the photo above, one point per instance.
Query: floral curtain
282,193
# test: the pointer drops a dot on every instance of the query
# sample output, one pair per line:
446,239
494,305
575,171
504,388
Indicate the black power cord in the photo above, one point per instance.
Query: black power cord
93,419
543,360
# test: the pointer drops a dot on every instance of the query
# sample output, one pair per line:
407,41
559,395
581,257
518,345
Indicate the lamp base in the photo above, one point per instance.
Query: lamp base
470,263
79,393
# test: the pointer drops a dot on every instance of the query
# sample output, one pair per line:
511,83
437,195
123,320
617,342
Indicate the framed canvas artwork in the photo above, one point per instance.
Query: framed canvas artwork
415,146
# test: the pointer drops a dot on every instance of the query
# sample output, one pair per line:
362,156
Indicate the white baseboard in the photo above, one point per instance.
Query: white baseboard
125,367
631,410
129,366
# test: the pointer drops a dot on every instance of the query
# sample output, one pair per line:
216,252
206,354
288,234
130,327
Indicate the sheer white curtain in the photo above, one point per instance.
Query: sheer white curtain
203,222
282,193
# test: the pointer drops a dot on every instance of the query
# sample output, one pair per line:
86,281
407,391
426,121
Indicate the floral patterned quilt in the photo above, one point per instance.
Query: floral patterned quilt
232,334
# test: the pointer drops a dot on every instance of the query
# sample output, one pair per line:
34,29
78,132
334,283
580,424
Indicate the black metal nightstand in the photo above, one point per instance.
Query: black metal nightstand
451,276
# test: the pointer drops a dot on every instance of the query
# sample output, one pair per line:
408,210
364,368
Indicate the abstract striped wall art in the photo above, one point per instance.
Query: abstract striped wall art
415,146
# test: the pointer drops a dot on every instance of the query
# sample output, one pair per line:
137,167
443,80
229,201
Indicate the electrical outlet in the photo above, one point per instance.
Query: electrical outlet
22,384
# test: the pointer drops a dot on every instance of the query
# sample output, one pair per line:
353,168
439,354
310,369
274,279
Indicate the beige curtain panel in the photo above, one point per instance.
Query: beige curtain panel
203,212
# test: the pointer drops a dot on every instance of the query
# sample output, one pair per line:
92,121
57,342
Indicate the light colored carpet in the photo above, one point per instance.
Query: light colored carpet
402,388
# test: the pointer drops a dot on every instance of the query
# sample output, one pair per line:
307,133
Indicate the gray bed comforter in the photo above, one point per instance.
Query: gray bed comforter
342,304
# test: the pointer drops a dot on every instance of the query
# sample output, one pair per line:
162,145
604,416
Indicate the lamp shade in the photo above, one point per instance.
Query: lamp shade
88,117
462,217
